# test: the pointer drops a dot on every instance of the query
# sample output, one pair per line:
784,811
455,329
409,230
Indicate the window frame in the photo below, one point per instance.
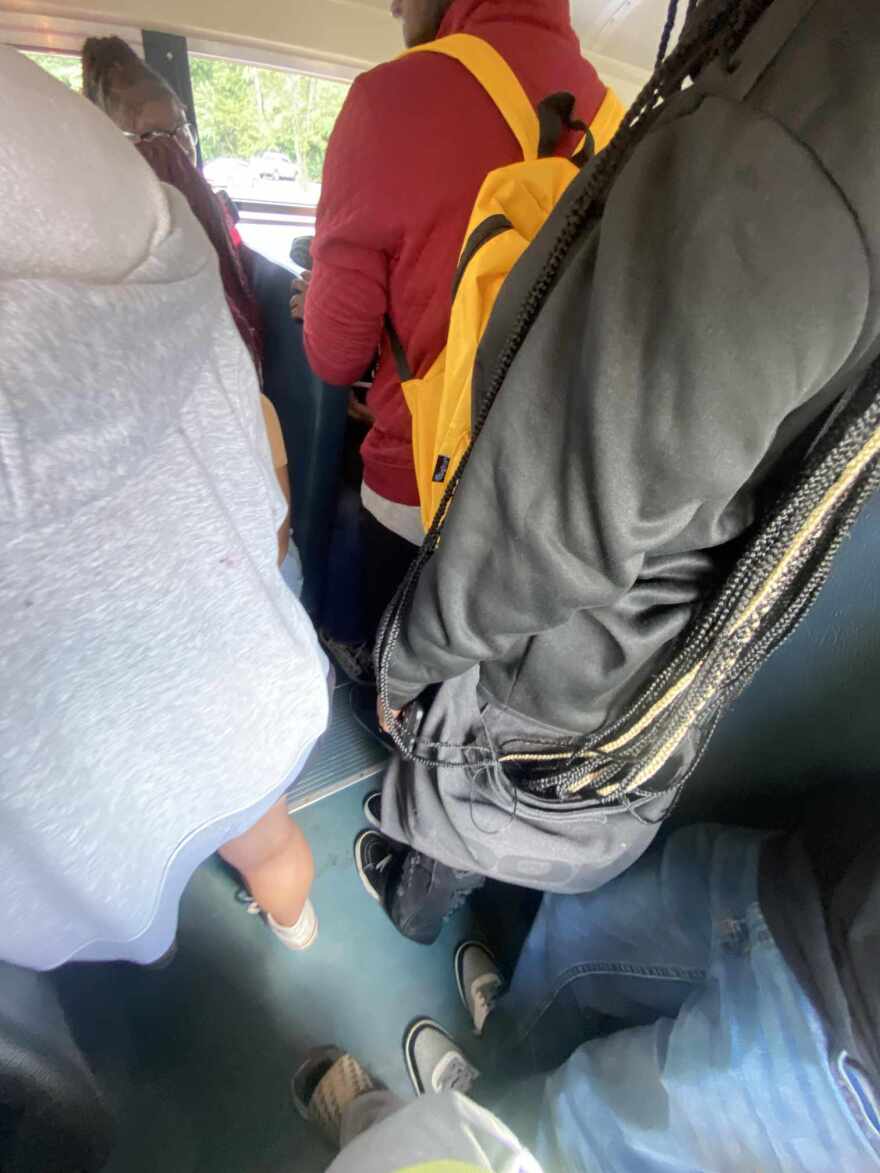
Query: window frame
60,34
240,54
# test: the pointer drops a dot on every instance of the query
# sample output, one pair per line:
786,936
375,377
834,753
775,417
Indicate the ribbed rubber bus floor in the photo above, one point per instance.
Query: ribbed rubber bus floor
346,753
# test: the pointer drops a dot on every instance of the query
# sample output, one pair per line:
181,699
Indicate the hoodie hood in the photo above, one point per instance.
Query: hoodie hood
465,16
108,299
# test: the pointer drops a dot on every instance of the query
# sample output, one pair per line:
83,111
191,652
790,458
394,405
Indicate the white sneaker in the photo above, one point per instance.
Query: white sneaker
300,936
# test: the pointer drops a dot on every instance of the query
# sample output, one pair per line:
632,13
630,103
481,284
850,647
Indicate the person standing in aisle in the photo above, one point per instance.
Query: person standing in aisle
414,142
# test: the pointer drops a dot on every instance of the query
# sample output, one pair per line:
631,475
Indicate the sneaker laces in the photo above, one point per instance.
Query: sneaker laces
484,992
454,1074
242,896
486,996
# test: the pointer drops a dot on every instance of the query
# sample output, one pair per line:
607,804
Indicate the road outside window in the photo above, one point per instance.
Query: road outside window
264,131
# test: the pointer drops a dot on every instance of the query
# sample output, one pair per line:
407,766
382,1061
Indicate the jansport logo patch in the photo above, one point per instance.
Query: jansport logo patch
440,469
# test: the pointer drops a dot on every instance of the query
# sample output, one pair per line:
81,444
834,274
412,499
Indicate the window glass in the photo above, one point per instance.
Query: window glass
264,131
65,66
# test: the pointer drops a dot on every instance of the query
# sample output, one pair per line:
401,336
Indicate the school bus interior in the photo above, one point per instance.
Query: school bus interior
193,1062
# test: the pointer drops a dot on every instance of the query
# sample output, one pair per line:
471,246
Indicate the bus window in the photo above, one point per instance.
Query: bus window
263,135
66,67
264,131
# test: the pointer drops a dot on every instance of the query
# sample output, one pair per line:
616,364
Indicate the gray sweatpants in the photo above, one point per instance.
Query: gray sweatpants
470,817
381,1134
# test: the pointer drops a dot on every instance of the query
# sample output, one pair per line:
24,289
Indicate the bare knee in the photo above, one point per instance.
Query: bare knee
272,835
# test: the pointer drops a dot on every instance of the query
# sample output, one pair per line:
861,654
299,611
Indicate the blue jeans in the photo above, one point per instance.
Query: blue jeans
677,1036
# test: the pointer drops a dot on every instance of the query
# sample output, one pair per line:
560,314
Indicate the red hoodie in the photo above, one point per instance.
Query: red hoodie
409,152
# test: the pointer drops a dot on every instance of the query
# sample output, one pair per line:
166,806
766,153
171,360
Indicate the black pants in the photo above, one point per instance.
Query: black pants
424,892
387,558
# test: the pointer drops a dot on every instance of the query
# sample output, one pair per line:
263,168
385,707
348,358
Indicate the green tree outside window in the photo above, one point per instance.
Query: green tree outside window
243,110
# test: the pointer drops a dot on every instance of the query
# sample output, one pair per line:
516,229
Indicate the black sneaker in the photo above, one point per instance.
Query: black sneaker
355,660
373,809
377,860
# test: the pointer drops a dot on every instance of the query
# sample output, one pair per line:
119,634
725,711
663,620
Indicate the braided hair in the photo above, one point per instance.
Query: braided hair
118,82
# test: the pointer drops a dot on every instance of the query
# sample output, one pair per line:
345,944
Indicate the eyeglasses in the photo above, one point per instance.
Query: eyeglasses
185,136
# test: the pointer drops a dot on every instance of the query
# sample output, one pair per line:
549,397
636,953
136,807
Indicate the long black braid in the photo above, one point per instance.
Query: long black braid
716,656
665,36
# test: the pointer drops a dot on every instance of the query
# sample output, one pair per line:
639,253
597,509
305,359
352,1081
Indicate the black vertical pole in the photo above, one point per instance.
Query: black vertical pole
167,55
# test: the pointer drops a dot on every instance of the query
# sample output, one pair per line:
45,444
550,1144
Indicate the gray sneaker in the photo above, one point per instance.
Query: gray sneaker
479,982
434,1060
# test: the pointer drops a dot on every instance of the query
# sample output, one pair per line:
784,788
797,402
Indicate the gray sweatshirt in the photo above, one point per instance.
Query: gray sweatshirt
160,684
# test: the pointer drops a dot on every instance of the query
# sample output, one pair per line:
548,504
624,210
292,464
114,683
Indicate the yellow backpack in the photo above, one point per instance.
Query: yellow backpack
511,207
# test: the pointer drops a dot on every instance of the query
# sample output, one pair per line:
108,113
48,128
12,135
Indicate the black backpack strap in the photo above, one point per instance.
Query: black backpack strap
404,371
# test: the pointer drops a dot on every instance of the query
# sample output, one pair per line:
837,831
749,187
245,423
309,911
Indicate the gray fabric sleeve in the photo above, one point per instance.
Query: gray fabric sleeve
438,1129
726,284
365,1112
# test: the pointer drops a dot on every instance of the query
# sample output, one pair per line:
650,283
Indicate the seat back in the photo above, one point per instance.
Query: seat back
312,417
51,1114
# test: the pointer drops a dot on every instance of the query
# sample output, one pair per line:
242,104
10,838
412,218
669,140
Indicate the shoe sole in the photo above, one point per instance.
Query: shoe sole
360,867
368,814
409,1036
